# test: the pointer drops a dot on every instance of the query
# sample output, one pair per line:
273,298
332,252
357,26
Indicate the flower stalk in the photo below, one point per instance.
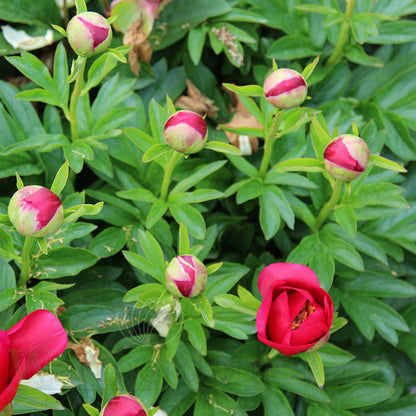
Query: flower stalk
76,92
25,258
268,143
339,48
168,174
329,206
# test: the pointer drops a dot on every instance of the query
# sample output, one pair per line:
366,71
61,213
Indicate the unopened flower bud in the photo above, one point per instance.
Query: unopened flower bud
346,157
186,276
124,405
89,33
35,211
186,132
285,88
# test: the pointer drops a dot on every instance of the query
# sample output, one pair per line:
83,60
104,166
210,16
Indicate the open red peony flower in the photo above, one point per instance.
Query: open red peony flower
26,348
296,313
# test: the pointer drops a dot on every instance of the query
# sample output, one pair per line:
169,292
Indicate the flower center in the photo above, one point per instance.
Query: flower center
306,310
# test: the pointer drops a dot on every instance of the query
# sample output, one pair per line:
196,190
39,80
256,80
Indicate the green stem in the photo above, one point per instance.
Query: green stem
168,174
339,48
268,144
329,206
25,257
74,100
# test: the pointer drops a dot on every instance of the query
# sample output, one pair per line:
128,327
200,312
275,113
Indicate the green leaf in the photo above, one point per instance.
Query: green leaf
149,383
108,242
401,31
81,6
356,54
6,245
155,151
250,90
138,194
307,72
314,8
334,356
235,381
359,394
29,400
302,164
60,179
196,40
316,366
250,190
92,411
157,211
111,387
64,261
222,147
224,279
185,366
342,251
203,307
144,265
387,164
243,165
234,303
9,297
346,218
196,336
196,177
191,218
300,387
33,68
273,399
292,47
183,246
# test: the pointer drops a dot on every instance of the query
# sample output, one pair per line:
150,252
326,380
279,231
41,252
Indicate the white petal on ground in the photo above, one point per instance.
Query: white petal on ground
95,363
46,383
163,321
19,39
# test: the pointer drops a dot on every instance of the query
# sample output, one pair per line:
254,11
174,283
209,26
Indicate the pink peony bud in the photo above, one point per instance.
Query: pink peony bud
186,276
186,132
285,88
35,211
89,33
346,157
125,405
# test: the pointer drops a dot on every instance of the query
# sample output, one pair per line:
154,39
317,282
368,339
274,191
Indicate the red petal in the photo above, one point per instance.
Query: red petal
4,360
38,338
289,274
7,395
278,323
125,406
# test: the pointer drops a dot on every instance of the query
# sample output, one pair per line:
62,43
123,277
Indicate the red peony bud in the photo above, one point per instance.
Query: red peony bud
89,33
186,132
285,88
35,211
346,157
125,405
186,276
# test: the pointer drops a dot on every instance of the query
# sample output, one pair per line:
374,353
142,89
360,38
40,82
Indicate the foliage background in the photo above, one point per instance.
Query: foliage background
363,254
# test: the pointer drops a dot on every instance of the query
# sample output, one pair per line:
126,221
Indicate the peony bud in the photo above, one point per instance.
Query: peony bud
125,405
35,211
285,88
89,33
186,276
346,157
186,132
